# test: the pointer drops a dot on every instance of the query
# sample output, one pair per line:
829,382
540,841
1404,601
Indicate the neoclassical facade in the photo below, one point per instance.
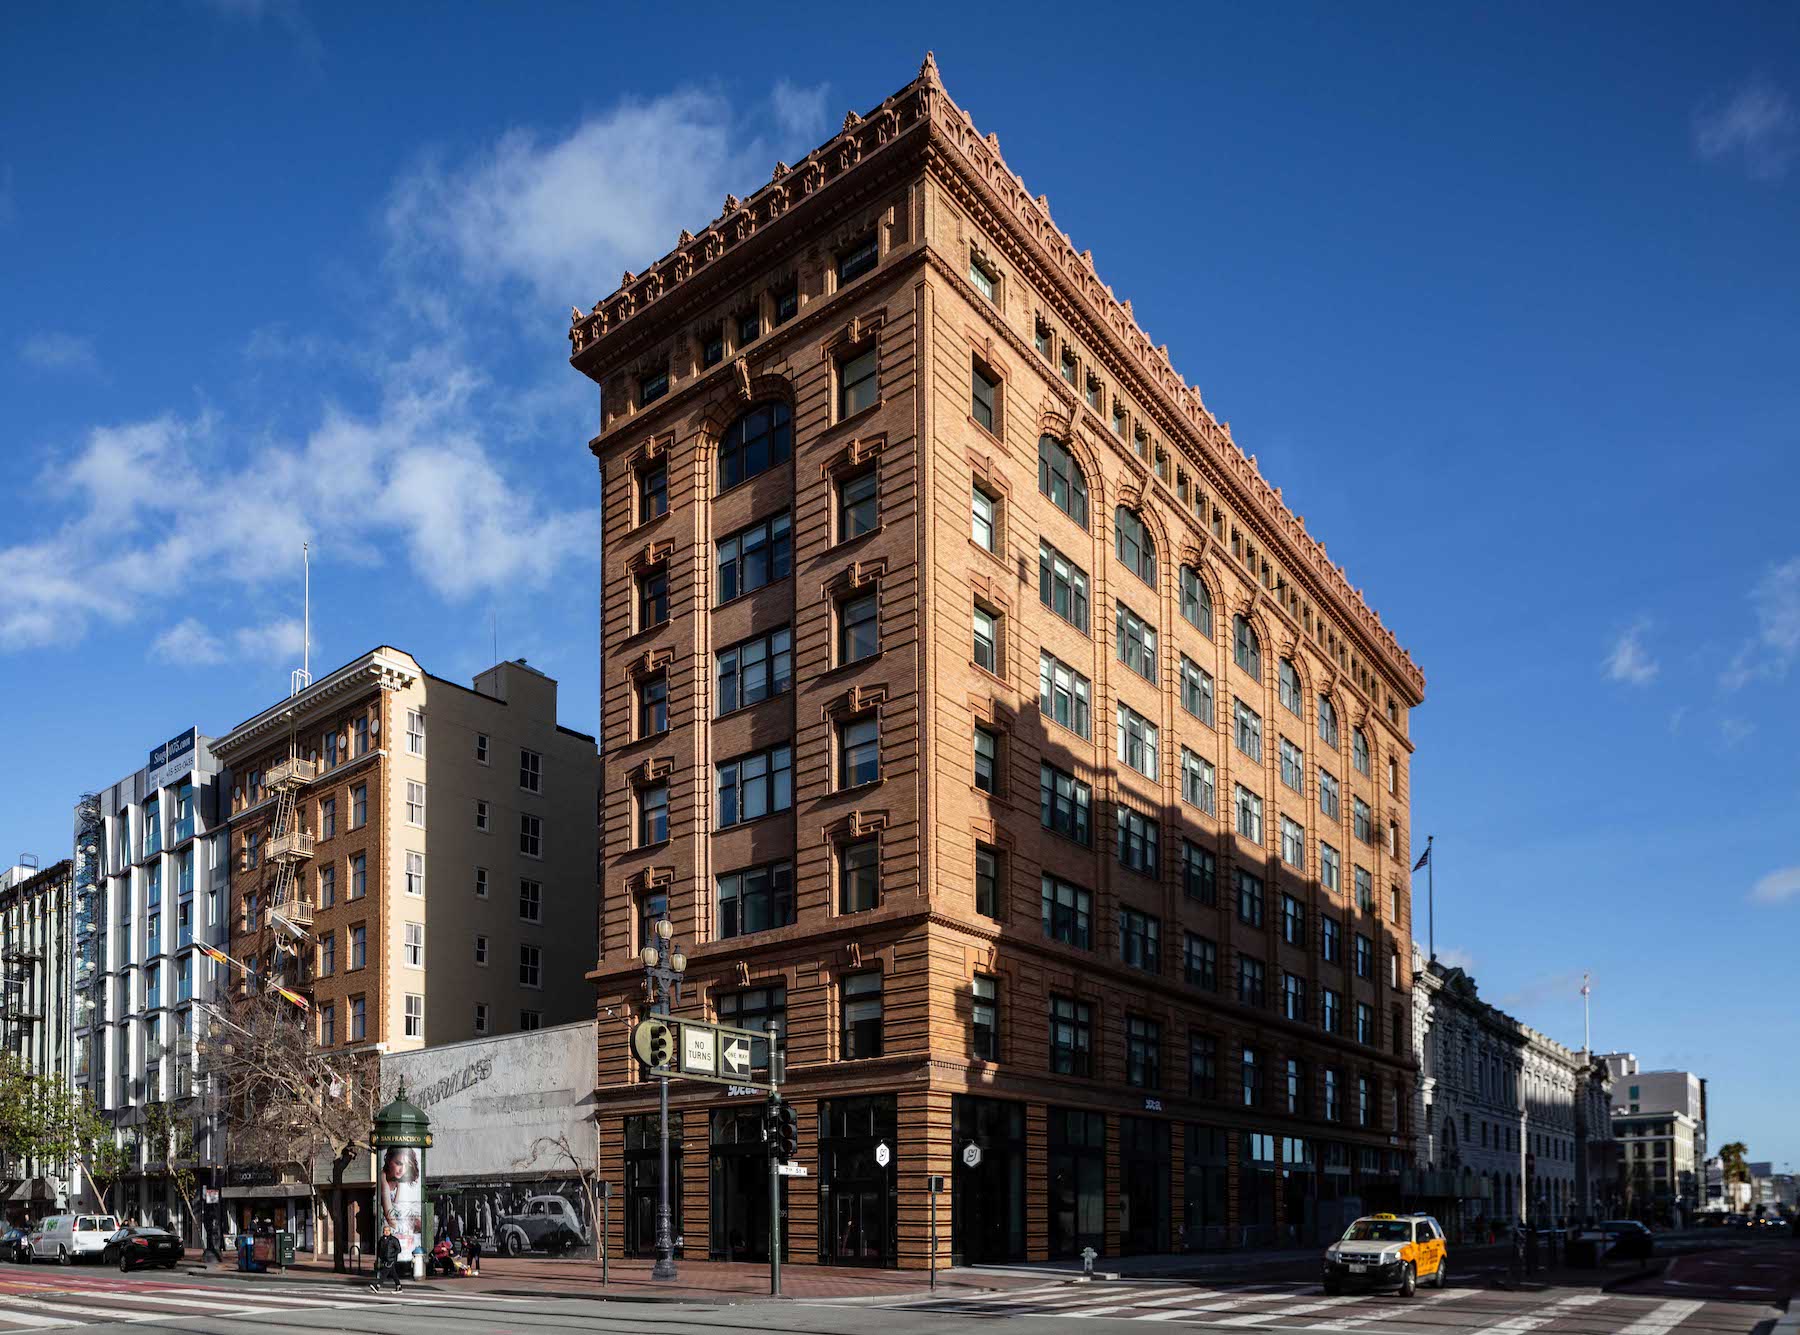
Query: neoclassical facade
979,716
1505,1112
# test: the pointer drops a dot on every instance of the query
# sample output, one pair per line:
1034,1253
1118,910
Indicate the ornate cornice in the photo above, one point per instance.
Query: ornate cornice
383,669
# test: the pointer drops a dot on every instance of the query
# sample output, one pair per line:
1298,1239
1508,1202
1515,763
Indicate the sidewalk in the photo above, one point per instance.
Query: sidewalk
629,1280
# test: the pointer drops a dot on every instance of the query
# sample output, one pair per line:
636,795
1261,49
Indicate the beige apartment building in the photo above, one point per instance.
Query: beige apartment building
980,716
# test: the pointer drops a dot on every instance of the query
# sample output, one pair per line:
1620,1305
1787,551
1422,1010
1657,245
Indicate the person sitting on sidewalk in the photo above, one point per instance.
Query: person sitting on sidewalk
387,1260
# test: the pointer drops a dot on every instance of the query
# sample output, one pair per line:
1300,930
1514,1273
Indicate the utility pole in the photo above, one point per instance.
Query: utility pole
664,963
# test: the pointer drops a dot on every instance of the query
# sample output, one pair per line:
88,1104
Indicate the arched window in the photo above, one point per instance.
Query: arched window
1328,723
1060,478
1245,647
755,443
1290,687
1359,750
1136,548
1196,600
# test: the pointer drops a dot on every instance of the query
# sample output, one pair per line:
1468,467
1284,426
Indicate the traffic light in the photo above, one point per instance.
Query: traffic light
787,1132
654,1043
771,1127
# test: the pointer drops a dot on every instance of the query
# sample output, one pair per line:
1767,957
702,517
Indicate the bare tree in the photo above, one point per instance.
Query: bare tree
580,1153
290,1102
169,1152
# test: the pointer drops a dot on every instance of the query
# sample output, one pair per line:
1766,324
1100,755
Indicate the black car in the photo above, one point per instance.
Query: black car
15,1245
1628,1240
133,1246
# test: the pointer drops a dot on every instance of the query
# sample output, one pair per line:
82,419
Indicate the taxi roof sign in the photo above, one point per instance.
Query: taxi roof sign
1384,1215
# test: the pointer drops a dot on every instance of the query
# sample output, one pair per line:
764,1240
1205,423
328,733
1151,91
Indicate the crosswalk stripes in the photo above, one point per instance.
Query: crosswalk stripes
31,1305
1663,1319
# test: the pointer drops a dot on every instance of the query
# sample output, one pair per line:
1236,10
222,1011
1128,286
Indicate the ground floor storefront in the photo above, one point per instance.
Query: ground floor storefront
1023,1179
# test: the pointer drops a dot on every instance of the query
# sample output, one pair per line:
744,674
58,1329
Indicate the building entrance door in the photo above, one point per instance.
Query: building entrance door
988,1204
739,1178
642,1164
857,1193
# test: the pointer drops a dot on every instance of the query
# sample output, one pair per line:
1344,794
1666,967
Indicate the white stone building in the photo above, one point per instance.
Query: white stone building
34,1012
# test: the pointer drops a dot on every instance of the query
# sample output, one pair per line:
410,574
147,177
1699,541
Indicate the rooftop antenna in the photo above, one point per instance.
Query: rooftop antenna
496,633
302,675
1587,1032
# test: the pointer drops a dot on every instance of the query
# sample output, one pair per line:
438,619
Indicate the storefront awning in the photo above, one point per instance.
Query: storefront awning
269,1191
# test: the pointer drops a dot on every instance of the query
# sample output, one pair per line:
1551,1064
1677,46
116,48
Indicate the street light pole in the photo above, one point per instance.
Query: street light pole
664,963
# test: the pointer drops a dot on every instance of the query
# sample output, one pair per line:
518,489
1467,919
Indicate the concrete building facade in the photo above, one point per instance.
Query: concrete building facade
1659,1120
978,714
36,939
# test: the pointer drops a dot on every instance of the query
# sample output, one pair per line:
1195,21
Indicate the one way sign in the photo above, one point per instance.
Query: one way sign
736,1056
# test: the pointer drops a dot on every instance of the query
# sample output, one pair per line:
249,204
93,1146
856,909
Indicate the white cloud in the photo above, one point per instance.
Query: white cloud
799,112
1629,661
1457,958
1770,653
1756,126
1777,887
188,642
54,351
567,216
1733,730
280,640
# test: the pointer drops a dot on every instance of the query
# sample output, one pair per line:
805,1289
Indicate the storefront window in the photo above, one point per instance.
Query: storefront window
1077,1145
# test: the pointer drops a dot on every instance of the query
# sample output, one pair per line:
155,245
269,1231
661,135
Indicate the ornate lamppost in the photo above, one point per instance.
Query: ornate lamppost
664,963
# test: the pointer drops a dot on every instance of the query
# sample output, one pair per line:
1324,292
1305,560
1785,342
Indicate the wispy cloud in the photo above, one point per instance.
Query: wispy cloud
1755,127
1771,651
1560,986
286,14
1457,958
1778,887
1630,662
799,112
190,642
55,351
1733,730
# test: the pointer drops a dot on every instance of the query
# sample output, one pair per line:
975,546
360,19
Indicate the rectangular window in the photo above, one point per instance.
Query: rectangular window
1363,957
481,882
1331,938
984,1018
1333,1110
987,759
359,947
987,640
359,875
415,733
327,1026
755,670
359,806
530,1020
1249,896
1293,921
531,966
1362,824
1247,729
531,901
755,785
481,748
328,818
712,346
1196,601
1196,690
988,880
1292,766
1365,890
481,950
749,326
856,383
1289,687
327,886
331,748
1139,839
984,519
1137,643
1293,843
1040,339
1066,913
1065,804
861,997
1199,873
653,815
858,505
787,303
756,556
653,705
1328,795
415,804
1359,751
1330,868
1140,940
483,820
1328,726
1253,1079
1331,1011
1064,695
1203,1066
652,387
1197,782
1200,961
981,279
1137,741
859,259
859,752
984,394
1071,1036
756,899
1068,364
653,492
1296,1087
327,954
1249,815
358,1019
1250,981
531,771
1063,586
415,945
653,597
757,1009
359,733
859,876
481,1017
1293,996
1365,1022
415,872
531,835
1143,1052
859,631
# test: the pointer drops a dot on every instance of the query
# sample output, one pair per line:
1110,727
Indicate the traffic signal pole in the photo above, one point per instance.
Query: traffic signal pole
774,1177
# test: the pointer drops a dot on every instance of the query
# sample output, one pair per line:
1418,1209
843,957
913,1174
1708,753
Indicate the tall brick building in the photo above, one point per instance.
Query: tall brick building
976,711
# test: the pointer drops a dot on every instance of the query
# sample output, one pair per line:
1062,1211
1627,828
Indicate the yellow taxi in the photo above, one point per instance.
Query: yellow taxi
1388,1251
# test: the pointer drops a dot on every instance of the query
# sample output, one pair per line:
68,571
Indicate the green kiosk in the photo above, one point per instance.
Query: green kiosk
402,1135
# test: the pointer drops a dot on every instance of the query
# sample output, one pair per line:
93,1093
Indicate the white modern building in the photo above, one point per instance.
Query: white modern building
1659,1120
151,879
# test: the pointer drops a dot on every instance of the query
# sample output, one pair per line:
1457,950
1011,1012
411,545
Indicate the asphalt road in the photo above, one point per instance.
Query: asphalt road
44,1299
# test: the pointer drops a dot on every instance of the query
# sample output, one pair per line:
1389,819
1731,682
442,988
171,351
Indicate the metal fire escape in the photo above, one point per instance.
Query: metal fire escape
290,913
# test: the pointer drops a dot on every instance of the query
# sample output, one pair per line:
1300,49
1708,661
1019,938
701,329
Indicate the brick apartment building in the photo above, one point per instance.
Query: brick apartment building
417,857
978,713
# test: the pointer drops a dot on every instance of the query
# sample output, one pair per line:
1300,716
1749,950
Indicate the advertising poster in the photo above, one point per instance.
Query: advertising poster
402,1200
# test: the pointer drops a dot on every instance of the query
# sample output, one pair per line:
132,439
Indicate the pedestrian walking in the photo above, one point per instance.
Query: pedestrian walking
472,1251
387,1260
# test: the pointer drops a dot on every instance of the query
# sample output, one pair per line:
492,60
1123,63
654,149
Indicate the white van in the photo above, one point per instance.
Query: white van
69,1237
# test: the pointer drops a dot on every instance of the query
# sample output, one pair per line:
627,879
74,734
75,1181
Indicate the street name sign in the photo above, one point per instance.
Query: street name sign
790,1170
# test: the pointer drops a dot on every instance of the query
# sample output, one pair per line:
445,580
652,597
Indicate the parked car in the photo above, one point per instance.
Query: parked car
134,1246
13,1245
1626,1239
69,1237
547,1223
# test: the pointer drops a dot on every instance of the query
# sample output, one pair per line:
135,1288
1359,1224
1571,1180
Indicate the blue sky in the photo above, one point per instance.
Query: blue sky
1504,300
